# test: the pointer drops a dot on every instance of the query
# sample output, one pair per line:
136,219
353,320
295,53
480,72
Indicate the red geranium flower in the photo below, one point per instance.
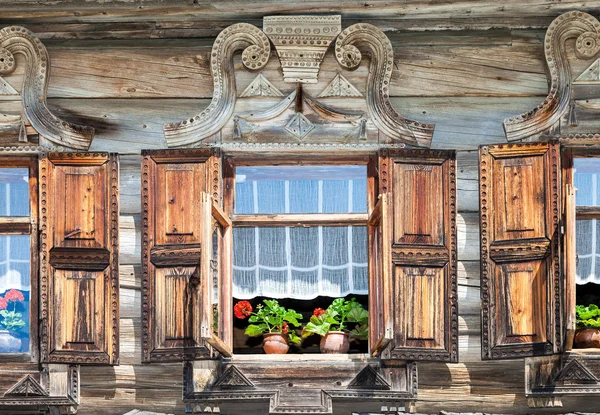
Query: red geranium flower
3,304
14,295
285,328
318,312
242,309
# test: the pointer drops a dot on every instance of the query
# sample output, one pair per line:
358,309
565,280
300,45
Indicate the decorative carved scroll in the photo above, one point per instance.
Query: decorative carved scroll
375,43
15,40
571,25
256,50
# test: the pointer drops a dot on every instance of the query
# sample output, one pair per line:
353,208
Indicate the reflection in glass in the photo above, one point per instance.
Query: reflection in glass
15,292
300,189
14,192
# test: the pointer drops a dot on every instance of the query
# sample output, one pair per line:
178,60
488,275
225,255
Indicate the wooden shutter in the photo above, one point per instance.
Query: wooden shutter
186,240
520,267
414,230
79,211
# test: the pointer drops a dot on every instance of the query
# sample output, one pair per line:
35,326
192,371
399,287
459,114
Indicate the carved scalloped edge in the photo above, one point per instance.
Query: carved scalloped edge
485,162
146,312
374,42
256,51
98,358
573,24
14,40
275,146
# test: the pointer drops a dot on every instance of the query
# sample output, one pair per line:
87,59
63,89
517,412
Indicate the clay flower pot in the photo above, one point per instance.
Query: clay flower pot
587,339
335,342
275,343
9,343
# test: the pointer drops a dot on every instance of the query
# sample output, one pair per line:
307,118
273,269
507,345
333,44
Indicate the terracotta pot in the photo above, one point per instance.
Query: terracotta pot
275,343
335,342
9,343
587,339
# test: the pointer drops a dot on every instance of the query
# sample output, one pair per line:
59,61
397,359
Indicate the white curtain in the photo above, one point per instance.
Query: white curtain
300,262
587,183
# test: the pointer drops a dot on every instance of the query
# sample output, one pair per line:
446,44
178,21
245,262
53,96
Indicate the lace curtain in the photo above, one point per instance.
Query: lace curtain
587,183
300,262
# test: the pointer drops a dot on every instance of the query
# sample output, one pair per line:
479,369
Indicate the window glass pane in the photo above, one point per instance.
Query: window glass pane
588,251
14,191
15,293
299,262
300,189
586,180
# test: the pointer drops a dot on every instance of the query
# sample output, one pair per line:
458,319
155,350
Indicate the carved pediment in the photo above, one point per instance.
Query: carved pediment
301,43
18,40
576,372
233,378
27,386
369,378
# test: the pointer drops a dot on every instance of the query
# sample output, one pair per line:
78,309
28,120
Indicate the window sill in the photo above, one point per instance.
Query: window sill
299,358
16,358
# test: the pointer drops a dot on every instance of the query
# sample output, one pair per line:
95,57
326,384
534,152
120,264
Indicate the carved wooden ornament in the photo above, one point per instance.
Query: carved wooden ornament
585,29
301,43
15,40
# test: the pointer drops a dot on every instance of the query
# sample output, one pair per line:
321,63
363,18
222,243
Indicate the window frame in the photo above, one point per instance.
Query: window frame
572,213
231,161
23,225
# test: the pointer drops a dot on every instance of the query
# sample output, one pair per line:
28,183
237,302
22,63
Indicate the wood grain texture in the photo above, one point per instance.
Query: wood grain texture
79,258
520,199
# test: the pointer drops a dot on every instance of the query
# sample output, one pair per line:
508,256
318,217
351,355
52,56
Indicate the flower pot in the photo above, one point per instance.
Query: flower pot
335,342
587,339
9,343
275,343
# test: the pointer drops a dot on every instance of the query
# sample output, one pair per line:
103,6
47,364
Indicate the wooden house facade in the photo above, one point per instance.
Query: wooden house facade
162,161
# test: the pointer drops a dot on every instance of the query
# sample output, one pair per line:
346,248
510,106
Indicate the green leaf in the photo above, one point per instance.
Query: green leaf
360,332
254,330
294,338
358,315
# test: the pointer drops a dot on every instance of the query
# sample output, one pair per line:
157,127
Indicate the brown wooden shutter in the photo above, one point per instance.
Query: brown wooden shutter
520,265
79,211
414,291
186,243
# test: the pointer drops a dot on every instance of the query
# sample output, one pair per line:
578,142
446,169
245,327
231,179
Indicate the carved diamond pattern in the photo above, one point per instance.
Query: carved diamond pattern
299,126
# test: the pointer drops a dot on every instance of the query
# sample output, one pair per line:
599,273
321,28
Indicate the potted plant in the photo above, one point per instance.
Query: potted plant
588,327
333,325
10,321
273,322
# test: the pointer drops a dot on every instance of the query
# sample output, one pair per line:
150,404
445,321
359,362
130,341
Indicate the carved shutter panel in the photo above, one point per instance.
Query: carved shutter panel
184,256
79,206
418,257
520,267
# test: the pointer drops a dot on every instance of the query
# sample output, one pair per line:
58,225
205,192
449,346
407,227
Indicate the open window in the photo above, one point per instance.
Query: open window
521,284
304,230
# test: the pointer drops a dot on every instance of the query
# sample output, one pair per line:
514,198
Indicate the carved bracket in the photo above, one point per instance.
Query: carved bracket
256,50
585,29
15,40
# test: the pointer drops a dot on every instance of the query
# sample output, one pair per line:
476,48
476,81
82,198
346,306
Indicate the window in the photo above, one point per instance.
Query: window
299,227
300,236
18,274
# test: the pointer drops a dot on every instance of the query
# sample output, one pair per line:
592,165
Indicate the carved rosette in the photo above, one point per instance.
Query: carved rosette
256,51
15,40
581,26
365,38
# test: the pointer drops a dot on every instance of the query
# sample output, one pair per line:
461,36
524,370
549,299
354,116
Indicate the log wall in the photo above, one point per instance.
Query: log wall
464,81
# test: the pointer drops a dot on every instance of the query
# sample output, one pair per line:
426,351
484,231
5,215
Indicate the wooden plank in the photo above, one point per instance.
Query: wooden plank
467,181
514,66
418,14
468,236
130,239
